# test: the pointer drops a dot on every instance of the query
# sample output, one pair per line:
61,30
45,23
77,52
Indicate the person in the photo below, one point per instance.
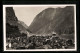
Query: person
9,45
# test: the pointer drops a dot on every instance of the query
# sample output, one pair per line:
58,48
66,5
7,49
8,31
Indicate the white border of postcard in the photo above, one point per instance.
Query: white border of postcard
4,28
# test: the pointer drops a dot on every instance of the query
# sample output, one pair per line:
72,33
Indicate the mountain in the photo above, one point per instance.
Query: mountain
23,24
10,16
22,27
59,20
14,27
11,23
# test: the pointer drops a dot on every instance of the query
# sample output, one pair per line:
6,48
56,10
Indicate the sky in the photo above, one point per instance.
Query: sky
28,13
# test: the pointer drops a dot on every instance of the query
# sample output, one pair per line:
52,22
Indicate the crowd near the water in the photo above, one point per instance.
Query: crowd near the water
38,42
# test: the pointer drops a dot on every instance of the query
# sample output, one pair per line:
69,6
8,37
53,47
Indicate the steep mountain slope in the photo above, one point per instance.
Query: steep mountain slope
14,27
11,23
23,24
22,27
59,20
10,16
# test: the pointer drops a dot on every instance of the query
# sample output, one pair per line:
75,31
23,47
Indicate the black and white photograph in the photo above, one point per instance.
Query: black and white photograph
39,27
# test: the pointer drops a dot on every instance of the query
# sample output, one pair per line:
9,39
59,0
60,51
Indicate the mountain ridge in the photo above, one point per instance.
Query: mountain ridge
14,27
22,26
55,18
